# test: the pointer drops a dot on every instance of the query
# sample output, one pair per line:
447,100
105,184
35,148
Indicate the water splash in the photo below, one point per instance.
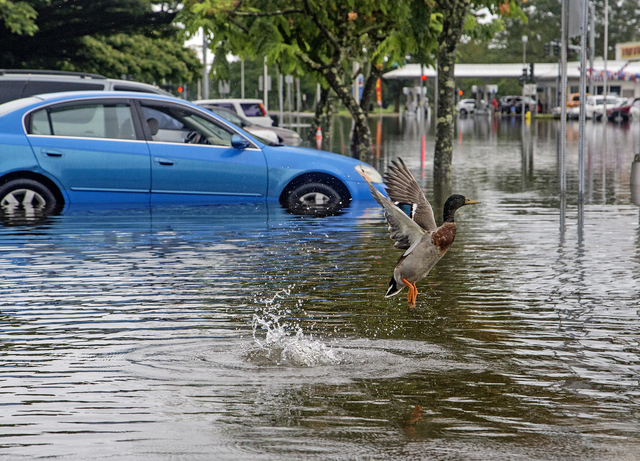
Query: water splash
285,343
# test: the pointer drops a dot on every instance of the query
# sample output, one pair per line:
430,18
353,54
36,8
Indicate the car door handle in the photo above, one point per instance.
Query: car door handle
51,153
163,161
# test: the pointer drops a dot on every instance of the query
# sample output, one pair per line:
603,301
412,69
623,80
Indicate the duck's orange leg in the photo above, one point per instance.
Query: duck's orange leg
413,292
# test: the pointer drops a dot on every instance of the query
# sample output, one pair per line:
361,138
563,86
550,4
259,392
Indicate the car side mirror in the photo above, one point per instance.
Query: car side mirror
239,142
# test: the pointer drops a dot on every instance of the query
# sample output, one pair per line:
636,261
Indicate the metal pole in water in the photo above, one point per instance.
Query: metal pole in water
583,96
563,99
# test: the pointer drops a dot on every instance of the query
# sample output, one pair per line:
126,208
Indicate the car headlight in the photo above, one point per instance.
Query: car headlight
369,173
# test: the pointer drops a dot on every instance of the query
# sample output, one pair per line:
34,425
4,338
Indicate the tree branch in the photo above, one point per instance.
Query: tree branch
258,14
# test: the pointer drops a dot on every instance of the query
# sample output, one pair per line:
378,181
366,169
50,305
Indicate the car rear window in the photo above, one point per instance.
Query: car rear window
10,90
253,109
227,106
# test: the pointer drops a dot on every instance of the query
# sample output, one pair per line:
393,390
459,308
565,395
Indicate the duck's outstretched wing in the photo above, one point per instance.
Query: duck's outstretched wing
402,229
402,187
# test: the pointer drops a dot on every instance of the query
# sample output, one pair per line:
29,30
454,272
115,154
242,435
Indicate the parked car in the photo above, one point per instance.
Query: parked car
625,111
466,106
273,134
574,99
19,83
513,104
121,147
252,109
594,108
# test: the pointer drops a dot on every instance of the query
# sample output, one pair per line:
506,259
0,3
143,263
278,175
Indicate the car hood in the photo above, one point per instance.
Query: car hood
304,158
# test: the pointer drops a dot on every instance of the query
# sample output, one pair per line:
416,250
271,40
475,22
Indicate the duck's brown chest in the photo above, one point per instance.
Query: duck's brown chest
444,236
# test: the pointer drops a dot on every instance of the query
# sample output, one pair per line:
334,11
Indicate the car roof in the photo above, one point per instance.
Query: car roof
216,101
71,95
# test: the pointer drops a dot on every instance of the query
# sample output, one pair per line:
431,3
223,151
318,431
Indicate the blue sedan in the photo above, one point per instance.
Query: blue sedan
120,147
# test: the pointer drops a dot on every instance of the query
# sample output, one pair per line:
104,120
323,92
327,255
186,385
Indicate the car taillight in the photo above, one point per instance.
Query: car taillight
264,112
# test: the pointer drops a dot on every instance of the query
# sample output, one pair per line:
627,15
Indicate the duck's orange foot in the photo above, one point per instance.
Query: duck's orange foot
413,292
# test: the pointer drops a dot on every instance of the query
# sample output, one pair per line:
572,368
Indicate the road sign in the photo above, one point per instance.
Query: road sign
529,89
224,87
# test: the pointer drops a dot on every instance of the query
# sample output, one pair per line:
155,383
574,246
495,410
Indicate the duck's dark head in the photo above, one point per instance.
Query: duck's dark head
453,203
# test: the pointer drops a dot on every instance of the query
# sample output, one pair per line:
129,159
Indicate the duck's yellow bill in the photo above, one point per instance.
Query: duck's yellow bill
470,202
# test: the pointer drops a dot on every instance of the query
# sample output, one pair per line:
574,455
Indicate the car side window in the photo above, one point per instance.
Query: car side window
111,121
181,125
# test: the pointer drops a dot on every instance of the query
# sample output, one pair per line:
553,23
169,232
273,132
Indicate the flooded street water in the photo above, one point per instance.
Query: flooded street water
243,332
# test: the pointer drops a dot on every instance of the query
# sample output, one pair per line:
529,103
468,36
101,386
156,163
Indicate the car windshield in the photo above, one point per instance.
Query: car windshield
17,104
227,115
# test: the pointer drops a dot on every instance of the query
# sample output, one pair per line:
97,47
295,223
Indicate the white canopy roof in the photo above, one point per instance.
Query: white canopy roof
542,71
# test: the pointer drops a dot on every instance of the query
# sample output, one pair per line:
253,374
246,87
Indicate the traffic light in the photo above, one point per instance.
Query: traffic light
547,49
424,78
556,49
531,79
459,92
523,78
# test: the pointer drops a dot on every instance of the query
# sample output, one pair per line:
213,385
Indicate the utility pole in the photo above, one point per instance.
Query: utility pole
242,79
525,39
265,87
205,71
583,96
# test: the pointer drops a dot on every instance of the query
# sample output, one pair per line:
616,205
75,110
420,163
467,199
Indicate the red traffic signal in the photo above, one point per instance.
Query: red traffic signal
179,89
424,78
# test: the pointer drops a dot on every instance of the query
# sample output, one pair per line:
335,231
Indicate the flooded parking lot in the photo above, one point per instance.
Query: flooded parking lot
244,332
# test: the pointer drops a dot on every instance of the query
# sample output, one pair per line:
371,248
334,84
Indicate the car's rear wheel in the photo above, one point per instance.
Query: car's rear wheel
463,112
619,117
315,199
26,197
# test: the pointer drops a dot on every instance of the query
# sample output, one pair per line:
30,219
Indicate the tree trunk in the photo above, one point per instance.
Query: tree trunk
455,12
317,119
361,136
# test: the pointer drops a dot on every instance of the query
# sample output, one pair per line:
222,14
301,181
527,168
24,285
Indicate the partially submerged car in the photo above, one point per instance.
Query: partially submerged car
624,112
71,148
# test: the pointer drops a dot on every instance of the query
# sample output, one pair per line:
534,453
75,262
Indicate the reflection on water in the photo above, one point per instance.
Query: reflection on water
243,332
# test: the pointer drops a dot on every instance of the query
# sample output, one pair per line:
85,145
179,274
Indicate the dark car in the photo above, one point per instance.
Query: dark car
624,112
20,83
513,104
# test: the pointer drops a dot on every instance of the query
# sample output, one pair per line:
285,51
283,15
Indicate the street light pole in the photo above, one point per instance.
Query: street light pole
525,39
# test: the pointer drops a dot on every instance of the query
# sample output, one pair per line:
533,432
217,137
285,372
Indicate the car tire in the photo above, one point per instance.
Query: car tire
27,197
314,198
463,112
618,117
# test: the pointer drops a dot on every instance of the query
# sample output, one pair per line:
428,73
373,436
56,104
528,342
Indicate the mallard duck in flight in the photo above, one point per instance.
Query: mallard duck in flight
424,242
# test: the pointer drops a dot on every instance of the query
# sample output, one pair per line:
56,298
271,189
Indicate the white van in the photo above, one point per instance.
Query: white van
252,109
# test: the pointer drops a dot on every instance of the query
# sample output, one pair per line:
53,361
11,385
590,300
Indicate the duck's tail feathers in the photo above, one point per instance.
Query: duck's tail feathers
393,288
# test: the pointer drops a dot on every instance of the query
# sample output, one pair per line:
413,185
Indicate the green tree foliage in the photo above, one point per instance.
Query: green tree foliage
18,17
320,37
110,37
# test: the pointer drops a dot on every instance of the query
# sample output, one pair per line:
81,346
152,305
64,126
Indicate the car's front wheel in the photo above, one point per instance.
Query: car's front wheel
26,197
315,199
463,112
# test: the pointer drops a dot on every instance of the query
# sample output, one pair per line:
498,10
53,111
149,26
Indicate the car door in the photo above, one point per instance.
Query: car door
192,158
91,148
